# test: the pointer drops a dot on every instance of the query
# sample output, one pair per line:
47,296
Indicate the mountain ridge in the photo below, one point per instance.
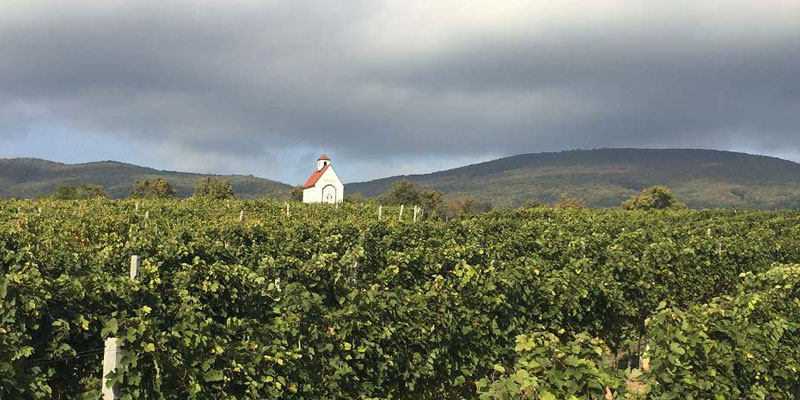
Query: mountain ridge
31,177
606,177
602,177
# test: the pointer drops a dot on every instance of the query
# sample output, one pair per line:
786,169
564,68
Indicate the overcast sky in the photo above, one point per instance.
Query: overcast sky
391,87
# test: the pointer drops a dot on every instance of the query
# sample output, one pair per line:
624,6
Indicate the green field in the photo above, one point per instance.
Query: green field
331,303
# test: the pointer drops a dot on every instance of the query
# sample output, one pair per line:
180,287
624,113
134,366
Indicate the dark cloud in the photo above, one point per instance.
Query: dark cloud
377,79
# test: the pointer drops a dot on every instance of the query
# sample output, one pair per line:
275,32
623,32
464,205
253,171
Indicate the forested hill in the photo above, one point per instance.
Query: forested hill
31,177
603,178
606,177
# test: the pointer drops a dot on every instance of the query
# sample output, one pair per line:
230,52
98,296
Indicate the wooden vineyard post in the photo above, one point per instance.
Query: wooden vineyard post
415,213
241,215
380,211
400,216
287,209
111,361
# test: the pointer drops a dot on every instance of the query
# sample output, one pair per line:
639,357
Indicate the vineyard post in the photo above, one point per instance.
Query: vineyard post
415,213
111,353
137,205
644,363
380,211
134,267
400,216
147,214
241,215
111,361
287,209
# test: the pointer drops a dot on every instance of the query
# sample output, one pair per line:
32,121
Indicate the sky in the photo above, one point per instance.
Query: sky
391,87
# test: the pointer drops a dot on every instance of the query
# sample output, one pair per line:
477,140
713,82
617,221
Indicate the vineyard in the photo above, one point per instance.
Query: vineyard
257,300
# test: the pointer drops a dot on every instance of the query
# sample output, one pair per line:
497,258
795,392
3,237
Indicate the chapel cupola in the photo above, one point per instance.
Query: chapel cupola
322,161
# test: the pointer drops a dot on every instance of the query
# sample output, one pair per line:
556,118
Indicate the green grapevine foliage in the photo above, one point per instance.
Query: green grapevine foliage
322,302
547,367
744,346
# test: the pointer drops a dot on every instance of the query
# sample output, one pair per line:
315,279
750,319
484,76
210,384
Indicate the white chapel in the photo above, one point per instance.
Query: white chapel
323,186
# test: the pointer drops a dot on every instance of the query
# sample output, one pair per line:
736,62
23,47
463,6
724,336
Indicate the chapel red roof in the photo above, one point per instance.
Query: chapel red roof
324,157
312,180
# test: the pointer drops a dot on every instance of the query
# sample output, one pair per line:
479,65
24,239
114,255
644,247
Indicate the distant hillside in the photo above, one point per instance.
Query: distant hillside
30,177
606,177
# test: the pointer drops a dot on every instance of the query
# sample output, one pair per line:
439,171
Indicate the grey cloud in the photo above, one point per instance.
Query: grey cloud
246,78
623,88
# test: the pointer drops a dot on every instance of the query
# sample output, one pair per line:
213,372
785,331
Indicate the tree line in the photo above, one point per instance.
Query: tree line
402,192
405,192
159,188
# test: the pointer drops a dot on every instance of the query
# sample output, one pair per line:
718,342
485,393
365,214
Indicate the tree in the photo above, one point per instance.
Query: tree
653,198
532,204
567,202
430,200
402,192
464,206
356,197
296,194
158,188
214,188
79,192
